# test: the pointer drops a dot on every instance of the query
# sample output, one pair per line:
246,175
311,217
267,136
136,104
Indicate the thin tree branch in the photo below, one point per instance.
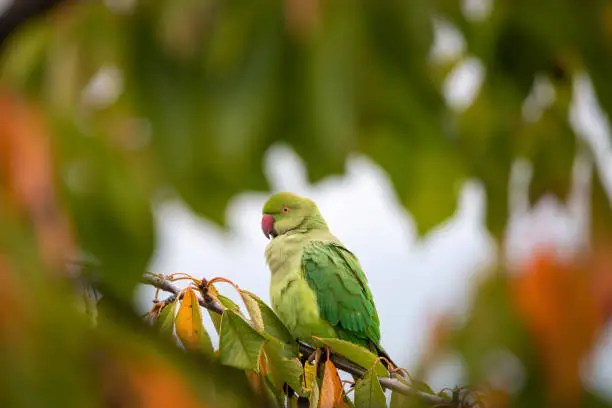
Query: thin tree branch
19,12
341,362
165,285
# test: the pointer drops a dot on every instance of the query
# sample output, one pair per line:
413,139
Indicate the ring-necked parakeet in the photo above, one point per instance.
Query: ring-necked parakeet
317,286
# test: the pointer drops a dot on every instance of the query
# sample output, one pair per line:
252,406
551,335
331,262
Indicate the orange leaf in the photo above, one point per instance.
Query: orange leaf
331,390
189,320
14,315
602,278
255,382
146,381
555,301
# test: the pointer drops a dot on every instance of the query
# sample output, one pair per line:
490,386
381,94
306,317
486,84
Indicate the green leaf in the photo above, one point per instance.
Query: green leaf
488,146
274,397
320,110
283,369
550,144
239,343
229,303
397,400
601,211
421,386
165,320
314,394
368,392
109,204
265,319
357,354
226,302
216,319
426,170
210,104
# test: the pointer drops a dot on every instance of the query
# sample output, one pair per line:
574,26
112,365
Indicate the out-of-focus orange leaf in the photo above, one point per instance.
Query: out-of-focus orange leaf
189,321
554,299
302,16
12,314
439,334
146,381
331,389
255,382
602,278
26,177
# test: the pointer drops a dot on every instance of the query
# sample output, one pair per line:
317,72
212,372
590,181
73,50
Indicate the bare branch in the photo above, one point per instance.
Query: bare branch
339,361
19,12
165,285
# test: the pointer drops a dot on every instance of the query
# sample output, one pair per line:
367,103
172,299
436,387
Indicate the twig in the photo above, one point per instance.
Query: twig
19,12
161,283
306,349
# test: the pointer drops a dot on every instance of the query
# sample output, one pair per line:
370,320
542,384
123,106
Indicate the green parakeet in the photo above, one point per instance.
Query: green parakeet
317,286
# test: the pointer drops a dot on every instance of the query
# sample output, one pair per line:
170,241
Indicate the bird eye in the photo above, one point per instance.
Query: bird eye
285,209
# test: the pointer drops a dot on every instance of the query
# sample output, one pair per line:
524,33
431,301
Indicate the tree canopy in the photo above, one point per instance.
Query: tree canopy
109,106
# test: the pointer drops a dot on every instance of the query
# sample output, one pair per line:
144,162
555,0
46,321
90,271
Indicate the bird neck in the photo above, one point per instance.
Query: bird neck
314,222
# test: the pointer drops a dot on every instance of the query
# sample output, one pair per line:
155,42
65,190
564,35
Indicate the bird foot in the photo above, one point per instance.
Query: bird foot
315,356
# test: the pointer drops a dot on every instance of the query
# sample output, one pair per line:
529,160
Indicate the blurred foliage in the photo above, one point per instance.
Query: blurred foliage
108,107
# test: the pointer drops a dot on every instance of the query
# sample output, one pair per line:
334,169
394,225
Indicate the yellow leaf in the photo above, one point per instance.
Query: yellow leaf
253,309
310,376
189,321
331,389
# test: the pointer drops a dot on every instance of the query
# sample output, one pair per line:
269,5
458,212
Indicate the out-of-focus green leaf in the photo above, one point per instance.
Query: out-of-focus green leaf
274,397
265,319
239,344
550,144
165,320
403,124
426,172
594,42
283,369
601,212
486,143
23,62
110,207
210,117
399,400
368,392
493,325
357,354
317,92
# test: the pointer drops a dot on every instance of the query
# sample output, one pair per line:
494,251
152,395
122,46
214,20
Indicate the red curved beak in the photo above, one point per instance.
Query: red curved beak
267,226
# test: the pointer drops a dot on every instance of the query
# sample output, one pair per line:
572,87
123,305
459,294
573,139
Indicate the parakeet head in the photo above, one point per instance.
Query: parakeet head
284,212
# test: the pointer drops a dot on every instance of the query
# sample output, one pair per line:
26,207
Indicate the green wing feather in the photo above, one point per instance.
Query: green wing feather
342,293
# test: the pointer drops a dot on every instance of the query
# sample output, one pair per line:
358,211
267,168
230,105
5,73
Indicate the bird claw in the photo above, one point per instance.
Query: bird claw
315,356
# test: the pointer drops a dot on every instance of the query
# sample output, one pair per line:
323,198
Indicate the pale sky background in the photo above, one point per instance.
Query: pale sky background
413,281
